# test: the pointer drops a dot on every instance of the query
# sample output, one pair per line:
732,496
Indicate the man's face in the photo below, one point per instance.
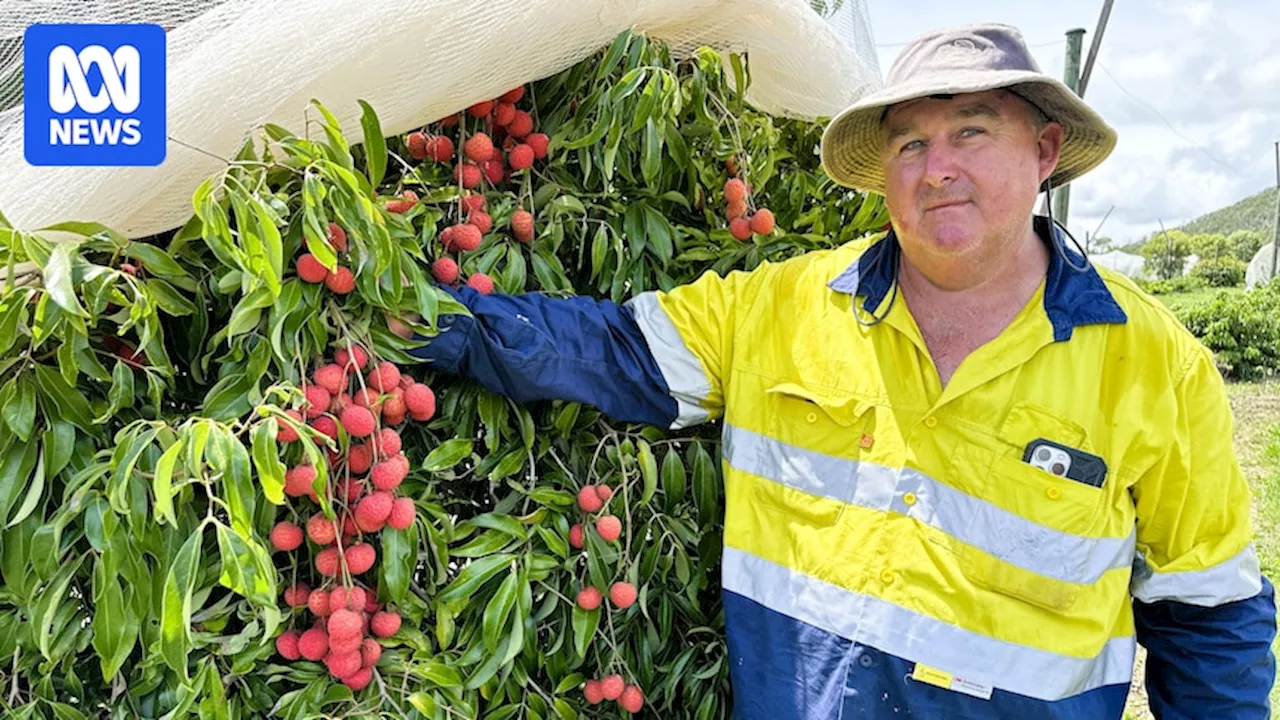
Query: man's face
962,176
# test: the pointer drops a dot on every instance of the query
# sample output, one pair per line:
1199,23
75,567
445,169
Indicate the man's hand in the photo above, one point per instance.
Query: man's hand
397,324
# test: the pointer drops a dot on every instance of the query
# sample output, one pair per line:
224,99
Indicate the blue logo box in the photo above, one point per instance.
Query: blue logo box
94,95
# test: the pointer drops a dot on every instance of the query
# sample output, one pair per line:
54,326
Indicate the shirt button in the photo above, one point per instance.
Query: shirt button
866,440
909,498
865,660
887,576
812,417
931,422
1053,493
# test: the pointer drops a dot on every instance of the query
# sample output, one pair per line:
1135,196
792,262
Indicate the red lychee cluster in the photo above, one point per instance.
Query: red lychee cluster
344,634
742,221
613,687
341,280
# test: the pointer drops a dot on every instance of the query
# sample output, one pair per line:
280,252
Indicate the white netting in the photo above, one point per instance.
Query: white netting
236,64
1259,269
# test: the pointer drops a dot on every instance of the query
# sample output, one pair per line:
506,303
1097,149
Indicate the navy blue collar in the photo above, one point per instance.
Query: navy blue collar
1071,297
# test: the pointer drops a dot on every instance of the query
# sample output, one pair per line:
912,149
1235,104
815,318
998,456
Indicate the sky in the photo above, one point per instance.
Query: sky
1192,88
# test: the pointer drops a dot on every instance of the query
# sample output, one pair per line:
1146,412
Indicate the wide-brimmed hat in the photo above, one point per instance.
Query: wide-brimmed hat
950,61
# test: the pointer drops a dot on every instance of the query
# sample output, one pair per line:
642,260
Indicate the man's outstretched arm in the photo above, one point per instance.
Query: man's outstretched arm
657,359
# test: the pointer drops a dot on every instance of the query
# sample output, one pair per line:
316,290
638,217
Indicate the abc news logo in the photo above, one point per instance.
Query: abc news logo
94,95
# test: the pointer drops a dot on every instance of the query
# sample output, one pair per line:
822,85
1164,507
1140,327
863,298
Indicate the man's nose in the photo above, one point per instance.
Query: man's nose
940,163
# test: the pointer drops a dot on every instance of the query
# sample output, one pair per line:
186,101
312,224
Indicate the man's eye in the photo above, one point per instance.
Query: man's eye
911,146
971,131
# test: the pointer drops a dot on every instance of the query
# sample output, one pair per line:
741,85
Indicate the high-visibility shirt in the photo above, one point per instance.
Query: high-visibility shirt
895,548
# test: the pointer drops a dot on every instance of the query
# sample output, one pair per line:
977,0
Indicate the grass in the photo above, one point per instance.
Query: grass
1195,298
1256,407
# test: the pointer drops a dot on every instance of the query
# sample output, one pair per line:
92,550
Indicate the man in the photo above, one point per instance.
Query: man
965,472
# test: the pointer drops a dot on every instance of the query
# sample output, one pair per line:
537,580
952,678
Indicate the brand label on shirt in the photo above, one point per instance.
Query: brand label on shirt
947,681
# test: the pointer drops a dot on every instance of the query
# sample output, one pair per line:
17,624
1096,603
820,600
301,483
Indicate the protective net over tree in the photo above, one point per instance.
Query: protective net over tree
236,64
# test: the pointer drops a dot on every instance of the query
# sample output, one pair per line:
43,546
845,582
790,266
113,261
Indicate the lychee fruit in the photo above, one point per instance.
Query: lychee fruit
342,598
481,220
347,644
360,558
589,500
366,397
469,174
520,125
494,171
735,190
609,527
421,401
313,644
341,282
466,237
371,601
286,536
343,623
622,595
349,527
539,142
513,95
337,237
284,431
388,474
480,109
593,692
481,283
388,440
310,270
370,651
605,492
612,686
287,645
318,603
357,357
589,598
473,202
407,200
343,665
740,228
326,425
393,407
521,157
631,699
384,624
735,209
331,378
321,530
298,479
445,271
416,143
522,225
503,114
440,148
297,595
358,421
402,513
327,562
385,377
390,419
478,147
576,537
360,458
339,403
359,680
762,222
373,510
317,402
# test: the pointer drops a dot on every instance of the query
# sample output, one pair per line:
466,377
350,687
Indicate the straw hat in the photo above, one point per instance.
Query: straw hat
965,59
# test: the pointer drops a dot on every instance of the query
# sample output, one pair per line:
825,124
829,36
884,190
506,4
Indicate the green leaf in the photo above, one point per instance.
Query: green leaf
658,233
20,410
501,523
375,144
175,607
70,402
162,483
16,464
34,492
473,576
649,471
59,444
155,260
423,703
314,231
58,280
169,299
486,670
585,623
673,478
47,607
705,492
115,627
651,165
447,454
399,558
555,543
266,460
247,570
498,610
122,392
439,674
272,244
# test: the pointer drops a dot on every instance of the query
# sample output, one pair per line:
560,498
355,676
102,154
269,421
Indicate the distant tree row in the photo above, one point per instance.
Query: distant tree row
1220,259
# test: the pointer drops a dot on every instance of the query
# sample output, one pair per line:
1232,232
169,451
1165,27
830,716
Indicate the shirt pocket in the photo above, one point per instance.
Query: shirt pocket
810,455
1029,534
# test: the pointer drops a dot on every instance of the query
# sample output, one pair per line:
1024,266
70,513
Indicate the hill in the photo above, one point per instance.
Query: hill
1256,212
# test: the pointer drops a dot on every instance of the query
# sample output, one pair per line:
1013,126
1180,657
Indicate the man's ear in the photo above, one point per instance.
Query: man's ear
1050,146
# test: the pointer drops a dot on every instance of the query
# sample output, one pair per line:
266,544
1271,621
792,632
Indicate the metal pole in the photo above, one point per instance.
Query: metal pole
1093,47
1071,77
1275,241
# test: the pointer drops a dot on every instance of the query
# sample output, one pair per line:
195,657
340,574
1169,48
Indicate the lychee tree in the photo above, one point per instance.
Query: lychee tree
227,489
